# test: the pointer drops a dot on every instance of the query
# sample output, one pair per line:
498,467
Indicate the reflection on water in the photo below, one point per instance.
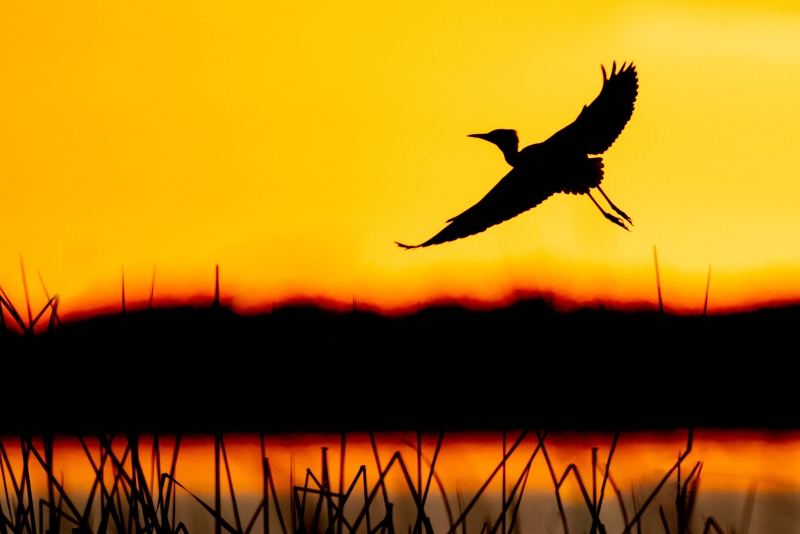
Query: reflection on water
742,481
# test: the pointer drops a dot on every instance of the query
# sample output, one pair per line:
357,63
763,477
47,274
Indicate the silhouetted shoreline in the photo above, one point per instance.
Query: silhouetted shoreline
305,369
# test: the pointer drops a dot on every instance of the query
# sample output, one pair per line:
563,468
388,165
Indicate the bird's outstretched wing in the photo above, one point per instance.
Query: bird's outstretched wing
600,123
515,193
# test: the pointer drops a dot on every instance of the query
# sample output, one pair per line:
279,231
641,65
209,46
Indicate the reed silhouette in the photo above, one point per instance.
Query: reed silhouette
561,164
128,496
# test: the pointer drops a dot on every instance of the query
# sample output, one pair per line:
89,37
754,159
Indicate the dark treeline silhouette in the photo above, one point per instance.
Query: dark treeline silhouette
309,369
561,164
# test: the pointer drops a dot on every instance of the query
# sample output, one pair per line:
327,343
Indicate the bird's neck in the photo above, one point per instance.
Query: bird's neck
511,153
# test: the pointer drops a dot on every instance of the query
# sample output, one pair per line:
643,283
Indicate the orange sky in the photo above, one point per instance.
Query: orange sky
292,144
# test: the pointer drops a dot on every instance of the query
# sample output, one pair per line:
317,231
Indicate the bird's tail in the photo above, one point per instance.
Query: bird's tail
596,173
583,175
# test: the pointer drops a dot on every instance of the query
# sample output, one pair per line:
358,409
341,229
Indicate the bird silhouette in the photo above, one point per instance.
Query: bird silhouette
561,164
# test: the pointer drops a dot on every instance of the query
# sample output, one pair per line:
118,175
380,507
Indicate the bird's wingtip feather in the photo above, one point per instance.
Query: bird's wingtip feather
627,65
401,245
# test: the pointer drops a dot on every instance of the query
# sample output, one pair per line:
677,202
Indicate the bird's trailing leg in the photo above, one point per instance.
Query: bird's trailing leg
619,211
615,220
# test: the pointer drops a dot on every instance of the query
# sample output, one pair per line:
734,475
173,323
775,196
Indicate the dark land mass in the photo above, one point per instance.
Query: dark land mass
305,369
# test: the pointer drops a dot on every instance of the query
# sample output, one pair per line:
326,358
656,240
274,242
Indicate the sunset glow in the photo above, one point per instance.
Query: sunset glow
292,144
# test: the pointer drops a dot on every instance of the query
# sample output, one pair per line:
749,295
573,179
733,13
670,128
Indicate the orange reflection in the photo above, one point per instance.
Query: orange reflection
731,460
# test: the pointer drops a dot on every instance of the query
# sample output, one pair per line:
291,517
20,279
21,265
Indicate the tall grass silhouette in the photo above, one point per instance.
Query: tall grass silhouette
28,329
125,498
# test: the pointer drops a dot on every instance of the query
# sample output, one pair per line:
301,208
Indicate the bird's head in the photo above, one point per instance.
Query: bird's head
506,140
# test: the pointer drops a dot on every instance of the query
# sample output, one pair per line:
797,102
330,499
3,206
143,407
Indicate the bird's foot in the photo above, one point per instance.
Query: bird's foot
617,221
621,214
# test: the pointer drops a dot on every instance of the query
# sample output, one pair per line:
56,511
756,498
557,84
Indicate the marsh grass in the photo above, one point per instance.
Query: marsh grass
125,500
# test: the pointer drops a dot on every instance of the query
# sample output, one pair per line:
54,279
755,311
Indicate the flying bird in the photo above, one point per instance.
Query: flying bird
561,164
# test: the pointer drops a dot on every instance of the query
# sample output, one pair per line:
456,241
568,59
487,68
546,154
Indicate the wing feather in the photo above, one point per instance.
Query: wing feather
516,193
599,124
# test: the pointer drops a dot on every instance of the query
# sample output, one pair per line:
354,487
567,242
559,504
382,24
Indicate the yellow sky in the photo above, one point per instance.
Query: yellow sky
292,144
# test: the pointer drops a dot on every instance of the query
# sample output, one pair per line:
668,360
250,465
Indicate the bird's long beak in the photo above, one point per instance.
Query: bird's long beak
485,137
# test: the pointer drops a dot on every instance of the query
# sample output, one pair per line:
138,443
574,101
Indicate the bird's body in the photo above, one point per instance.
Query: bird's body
561,164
